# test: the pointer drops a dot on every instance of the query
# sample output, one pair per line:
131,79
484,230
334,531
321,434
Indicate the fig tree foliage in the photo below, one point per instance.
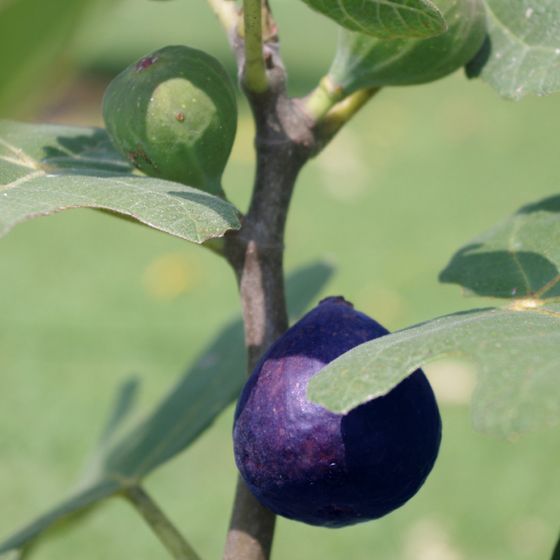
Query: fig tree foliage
336,424
45,169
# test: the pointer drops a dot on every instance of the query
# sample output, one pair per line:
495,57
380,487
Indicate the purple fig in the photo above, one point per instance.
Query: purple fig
309,464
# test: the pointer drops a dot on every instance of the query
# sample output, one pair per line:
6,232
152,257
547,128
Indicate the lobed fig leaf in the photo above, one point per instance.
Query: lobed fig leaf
363,61
312,465
173,114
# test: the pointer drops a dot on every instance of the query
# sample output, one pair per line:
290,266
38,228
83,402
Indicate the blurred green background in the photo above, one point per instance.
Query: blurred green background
88,299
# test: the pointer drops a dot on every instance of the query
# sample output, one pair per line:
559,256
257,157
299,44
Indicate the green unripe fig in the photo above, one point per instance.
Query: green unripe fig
173,114
363,61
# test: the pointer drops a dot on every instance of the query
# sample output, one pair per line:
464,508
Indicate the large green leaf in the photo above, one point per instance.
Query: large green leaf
515,351
384,18
363,61
519,258
33,33
47,168
126,454
522,51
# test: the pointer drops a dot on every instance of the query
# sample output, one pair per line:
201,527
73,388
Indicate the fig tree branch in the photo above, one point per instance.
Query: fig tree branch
256,253
287,136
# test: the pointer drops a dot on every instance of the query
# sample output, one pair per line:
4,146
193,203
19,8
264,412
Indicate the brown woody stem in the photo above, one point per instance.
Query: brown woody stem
256,254
287,135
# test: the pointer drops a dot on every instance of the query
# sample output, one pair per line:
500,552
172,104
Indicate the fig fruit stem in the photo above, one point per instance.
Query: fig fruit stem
323,98
330,107
339,114
160,524
253,72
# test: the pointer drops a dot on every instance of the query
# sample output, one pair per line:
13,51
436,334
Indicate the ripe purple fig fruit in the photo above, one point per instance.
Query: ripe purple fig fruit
309,464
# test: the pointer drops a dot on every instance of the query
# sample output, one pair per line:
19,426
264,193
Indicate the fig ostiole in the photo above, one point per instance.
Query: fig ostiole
173,114
311,465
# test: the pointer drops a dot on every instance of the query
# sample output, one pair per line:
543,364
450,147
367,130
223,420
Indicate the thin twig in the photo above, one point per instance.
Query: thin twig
160,524
254,72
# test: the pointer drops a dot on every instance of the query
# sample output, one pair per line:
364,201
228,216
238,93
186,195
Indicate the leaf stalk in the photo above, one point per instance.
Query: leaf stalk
163,528
340,114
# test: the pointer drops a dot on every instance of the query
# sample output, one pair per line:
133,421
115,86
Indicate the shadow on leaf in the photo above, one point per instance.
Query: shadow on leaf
502,274
86,154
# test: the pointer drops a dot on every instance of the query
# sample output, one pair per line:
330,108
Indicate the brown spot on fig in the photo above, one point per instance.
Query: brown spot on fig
180,116
138,156
145,62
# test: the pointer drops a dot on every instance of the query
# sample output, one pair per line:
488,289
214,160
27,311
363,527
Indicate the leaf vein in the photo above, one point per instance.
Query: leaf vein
21,180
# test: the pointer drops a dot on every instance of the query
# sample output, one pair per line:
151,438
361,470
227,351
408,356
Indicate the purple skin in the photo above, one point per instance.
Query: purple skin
308,464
